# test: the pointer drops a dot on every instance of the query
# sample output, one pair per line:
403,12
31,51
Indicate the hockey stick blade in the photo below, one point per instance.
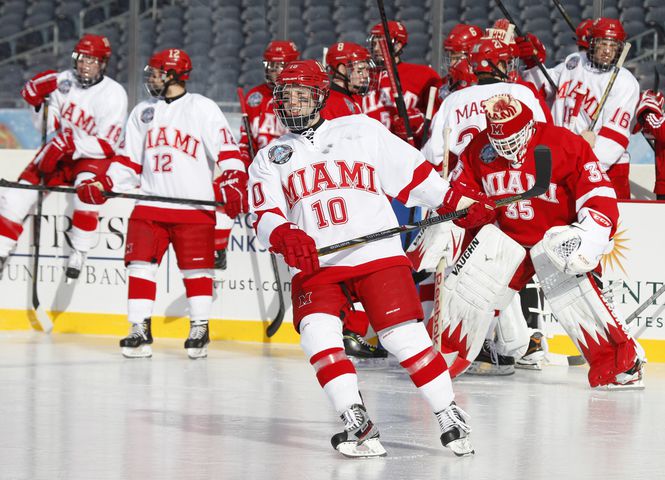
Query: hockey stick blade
277,322
543,164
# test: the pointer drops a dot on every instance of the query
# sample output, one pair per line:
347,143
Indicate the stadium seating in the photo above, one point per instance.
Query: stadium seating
226,38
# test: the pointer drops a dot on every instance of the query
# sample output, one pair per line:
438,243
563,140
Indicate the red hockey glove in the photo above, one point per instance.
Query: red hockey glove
416,120
37,89
649,111
298,248
92,191
481,208
528,47
233,186
49,156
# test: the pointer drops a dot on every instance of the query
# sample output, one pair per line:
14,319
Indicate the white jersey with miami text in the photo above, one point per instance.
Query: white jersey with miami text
333,182
170,149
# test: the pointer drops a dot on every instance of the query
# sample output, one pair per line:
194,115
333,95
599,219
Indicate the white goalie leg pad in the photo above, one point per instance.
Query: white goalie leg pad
476,287
512,333
575,301
443,240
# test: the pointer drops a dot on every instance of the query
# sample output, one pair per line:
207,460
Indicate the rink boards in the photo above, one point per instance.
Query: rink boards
246,292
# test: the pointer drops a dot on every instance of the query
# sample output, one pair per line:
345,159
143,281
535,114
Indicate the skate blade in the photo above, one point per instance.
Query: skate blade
461,447
72,275
195,353
482,368
368,449
529,366
144,351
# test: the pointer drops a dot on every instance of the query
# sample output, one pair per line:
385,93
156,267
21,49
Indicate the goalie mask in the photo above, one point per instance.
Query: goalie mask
510,126
606,42
166,68
353,65
300,93
90,57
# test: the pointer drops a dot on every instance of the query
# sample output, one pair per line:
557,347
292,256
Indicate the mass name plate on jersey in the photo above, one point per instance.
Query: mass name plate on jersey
147,115
280,154
488,154
65,86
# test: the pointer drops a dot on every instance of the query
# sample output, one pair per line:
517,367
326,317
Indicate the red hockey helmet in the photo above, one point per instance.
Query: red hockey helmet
460,75
359,73
583,32
300,93
459,42
172,62
397,31
487,55
96,46
89,58
510,126
281,51
606,41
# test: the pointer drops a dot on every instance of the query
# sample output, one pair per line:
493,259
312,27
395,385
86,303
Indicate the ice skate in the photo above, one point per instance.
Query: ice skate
455,430
535,353
137,343
489,362
357,347
74,265
220,259
360,438
632,379
198,340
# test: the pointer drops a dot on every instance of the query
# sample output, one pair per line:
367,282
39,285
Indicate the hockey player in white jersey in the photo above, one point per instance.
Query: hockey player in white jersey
87,111
171,145
327,181
581,80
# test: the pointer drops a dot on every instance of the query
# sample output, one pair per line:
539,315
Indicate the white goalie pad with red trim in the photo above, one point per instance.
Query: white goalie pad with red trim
588,319
512,333
476,287
443,240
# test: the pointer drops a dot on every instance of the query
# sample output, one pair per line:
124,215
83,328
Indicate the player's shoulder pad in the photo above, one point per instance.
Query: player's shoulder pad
278,151
626,76
358,121
144,110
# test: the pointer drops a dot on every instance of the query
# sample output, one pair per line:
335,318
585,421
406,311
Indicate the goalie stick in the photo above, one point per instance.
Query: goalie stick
41,320
543,162
279,318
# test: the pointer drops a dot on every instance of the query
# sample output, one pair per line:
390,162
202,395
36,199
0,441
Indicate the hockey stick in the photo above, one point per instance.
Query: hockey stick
41,320
135,196
428,113
564,14
277,321
543,161
519,32
610,84
437,320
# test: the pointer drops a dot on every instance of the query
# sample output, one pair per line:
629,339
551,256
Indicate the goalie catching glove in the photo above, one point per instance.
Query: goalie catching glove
232,184
297,248
92,191
481,208
578,248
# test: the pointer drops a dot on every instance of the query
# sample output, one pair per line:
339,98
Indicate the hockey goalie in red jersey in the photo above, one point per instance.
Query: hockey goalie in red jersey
87,112
172,143
565,231
327,181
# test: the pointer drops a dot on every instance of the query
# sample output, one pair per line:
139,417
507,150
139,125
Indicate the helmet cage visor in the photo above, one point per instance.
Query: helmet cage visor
513,147
297,106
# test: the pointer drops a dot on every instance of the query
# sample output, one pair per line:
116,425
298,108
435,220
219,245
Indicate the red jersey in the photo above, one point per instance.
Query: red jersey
415,79
577,181
262,119
340,103
655,127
